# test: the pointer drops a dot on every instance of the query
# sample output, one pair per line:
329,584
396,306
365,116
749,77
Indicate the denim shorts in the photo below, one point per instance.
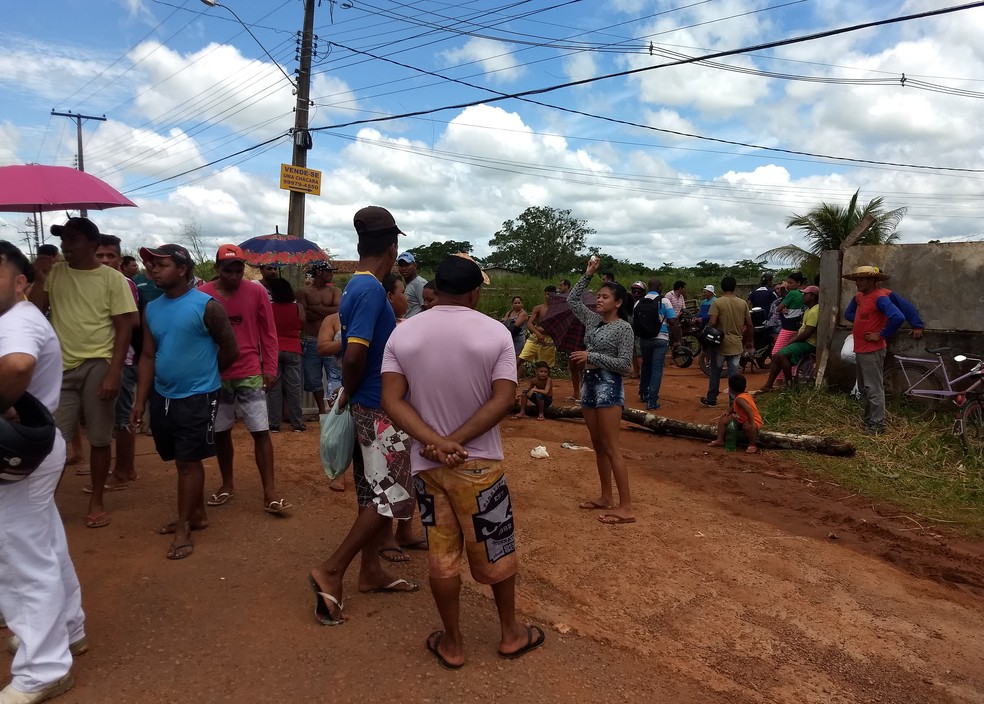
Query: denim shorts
601,388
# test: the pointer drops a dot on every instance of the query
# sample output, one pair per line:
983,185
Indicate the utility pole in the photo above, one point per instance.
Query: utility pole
78,117
302,138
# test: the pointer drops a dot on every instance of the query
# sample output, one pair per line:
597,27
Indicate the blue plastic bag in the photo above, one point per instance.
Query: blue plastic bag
337,440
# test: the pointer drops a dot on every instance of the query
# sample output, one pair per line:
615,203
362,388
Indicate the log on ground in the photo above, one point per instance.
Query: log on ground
680,428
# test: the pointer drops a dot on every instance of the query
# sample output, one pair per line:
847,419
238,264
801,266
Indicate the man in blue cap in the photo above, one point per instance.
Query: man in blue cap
406,264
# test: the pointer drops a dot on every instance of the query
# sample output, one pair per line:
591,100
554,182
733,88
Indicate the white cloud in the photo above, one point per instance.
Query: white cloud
10,138
580,66
495,58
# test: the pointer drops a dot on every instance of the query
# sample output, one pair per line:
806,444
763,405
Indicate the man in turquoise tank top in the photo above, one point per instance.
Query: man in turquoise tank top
188,340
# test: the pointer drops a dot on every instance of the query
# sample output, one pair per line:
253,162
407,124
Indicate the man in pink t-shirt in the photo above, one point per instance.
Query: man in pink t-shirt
450,404
246,380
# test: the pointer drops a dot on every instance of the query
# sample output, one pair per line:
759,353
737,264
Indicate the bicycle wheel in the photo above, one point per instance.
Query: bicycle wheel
704,361
806,370
898,393
972,427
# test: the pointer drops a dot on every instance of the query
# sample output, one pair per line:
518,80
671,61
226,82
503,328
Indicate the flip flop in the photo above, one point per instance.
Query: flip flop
433,647
83,472
392,588
336,488
170,528
531,644
277,507
400,552
220,498
87,489
321,611
592,505
416,545
98,520
173,554
614,520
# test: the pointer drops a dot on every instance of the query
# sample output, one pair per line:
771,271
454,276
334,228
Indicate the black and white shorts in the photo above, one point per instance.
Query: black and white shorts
184,428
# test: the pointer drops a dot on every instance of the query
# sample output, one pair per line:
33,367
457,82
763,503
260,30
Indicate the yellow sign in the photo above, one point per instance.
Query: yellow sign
297,178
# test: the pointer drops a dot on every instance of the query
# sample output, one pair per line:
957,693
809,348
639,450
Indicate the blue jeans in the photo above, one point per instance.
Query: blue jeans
317,368
601,388
651,376
717,360
288,382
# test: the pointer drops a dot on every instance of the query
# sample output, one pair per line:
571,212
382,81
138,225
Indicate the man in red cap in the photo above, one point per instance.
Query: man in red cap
92,311
247,379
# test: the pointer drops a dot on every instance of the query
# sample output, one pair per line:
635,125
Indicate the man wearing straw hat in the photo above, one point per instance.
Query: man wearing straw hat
875,319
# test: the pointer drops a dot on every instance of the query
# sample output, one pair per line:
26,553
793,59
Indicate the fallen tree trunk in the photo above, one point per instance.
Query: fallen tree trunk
681,428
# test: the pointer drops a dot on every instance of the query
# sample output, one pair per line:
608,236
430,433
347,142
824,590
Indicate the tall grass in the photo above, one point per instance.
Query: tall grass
919,466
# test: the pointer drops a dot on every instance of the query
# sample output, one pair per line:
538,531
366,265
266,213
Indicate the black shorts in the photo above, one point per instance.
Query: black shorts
184,428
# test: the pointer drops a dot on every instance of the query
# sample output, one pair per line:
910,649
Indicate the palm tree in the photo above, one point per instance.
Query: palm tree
826,226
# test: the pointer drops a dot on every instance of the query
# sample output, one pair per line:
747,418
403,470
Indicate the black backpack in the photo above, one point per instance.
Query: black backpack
646,320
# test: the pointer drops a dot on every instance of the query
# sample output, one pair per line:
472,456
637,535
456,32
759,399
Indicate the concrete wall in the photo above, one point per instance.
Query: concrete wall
944,281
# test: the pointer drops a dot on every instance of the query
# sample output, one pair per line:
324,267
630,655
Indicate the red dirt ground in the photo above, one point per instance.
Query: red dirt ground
745,580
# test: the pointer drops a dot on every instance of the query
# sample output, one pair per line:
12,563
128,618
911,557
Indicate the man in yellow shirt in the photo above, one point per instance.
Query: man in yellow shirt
92,311
804,342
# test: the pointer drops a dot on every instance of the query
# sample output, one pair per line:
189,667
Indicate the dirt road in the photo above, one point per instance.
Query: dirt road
743,581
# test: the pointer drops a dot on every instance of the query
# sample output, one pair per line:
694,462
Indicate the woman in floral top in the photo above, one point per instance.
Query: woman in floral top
608,337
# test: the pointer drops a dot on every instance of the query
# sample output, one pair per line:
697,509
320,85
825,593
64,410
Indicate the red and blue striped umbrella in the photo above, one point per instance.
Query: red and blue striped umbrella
282,249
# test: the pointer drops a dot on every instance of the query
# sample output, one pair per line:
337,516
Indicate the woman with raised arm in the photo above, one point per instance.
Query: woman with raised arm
608,337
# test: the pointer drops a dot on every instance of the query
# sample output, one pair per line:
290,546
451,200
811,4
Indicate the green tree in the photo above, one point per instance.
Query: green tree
826,226
541,242
430,256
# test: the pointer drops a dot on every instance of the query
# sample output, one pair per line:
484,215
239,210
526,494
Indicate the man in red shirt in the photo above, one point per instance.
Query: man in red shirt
248,378
875,319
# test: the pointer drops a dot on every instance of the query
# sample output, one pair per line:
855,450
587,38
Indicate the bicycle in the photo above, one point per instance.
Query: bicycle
918,386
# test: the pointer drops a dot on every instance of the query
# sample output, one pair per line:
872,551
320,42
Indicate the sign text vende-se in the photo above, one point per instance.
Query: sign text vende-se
297,178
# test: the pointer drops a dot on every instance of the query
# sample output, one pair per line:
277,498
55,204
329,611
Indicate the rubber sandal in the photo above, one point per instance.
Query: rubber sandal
172,553
87,489
321,611
433,647
420,544
530,643
401,554
277,507
98,520
220,499
391,588
171,527
610,519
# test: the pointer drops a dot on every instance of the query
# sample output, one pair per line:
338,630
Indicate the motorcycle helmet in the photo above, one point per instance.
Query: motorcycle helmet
710,336
25,444
683,357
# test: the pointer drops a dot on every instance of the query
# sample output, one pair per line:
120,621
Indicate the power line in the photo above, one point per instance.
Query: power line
499,96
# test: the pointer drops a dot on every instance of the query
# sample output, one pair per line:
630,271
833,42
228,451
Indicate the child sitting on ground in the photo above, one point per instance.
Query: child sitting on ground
744,412
540,391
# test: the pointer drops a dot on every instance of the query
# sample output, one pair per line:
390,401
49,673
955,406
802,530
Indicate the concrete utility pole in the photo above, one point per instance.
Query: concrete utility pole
78,117
302,138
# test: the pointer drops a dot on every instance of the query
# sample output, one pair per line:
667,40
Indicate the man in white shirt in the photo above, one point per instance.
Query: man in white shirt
40,596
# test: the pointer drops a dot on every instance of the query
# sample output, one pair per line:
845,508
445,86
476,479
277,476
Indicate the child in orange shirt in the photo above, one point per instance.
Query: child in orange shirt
744,412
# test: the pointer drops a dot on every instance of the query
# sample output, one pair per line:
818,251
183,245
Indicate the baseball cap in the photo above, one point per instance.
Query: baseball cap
709,288
810,289
638,284
456,275
406,257
82,226
229,252
315,267
374,221
175,251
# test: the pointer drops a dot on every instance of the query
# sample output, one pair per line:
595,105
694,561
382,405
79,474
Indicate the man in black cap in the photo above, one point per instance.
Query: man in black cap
93,311
381,463
319,300
451,404
39,592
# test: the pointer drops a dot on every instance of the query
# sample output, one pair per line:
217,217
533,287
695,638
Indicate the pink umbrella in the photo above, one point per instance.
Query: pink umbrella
34,188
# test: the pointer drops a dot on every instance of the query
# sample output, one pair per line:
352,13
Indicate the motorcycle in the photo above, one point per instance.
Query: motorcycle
760,357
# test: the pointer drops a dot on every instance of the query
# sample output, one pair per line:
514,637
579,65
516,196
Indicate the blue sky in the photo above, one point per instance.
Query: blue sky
183,84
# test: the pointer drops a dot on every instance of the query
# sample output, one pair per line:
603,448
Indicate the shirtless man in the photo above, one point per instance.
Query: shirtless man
319,300
539,347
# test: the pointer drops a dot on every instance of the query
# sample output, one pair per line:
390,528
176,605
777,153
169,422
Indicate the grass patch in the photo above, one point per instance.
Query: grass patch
919,466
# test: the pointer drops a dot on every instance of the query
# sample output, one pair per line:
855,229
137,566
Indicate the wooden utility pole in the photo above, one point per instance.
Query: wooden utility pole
302,138
78,117
832,307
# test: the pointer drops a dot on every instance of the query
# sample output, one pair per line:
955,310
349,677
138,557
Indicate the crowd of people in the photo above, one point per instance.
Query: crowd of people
89,340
